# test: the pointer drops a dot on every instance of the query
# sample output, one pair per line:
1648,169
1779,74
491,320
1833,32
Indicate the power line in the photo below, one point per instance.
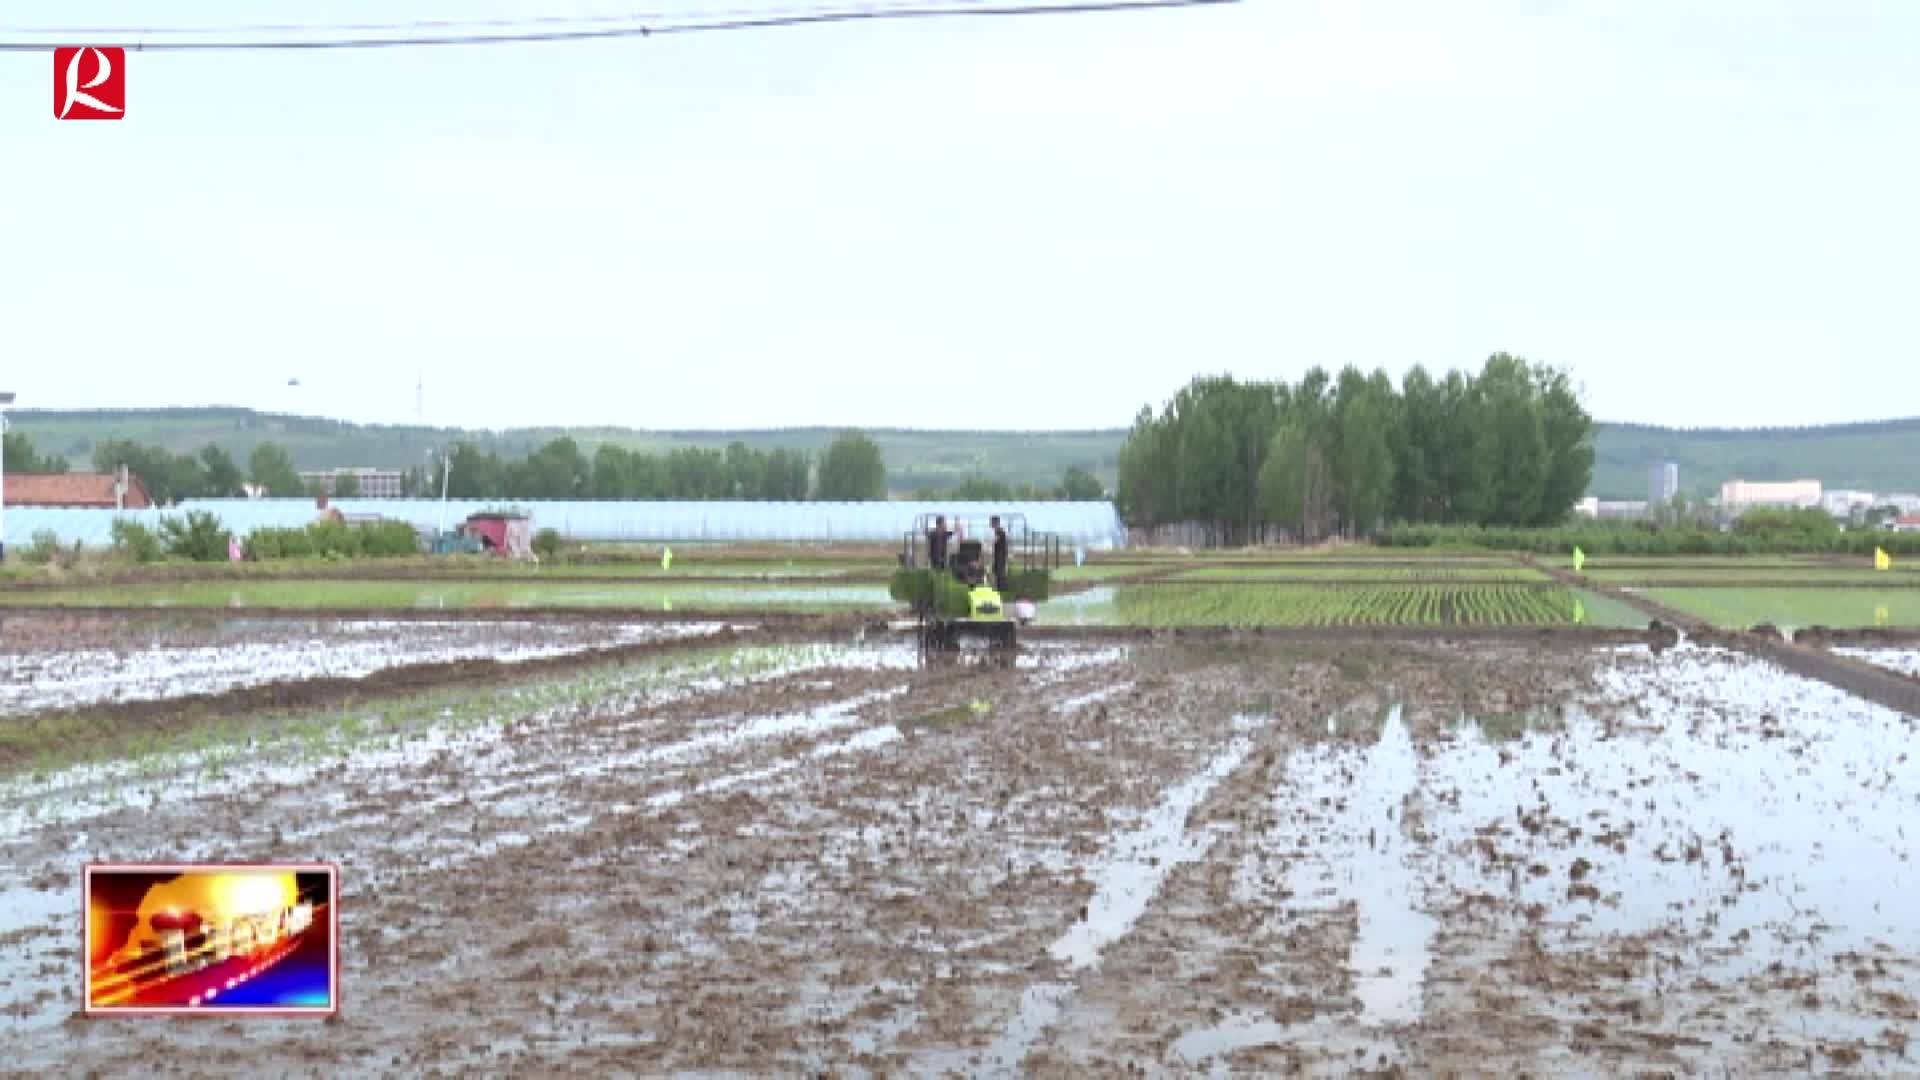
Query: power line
638,28
518,22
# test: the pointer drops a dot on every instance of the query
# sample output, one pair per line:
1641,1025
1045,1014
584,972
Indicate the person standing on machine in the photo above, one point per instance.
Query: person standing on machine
937,543
999,554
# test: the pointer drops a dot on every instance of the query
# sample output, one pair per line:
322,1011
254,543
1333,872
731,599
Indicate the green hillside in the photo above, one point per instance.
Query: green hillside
914,458
1882,456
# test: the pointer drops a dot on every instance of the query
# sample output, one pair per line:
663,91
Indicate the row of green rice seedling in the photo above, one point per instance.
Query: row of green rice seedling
1310,606
1384,605
1487,572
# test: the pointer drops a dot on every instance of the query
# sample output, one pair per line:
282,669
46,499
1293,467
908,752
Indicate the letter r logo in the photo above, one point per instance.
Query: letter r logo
89,84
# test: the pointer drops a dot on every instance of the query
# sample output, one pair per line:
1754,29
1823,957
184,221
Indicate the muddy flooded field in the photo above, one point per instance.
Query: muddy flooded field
62,663
1476,857
1904,661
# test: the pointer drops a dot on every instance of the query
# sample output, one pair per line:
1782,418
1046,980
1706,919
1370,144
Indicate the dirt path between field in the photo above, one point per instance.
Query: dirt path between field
1869,681
87,731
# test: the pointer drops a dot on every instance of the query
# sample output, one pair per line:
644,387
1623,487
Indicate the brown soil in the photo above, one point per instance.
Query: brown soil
879,882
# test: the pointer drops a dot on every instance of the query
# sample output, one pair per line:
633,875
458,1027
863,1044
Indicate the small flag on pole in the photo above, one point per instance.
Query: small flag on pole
1579,611
1881,616
666,559
1079,555
234,554
1882,560
1579,559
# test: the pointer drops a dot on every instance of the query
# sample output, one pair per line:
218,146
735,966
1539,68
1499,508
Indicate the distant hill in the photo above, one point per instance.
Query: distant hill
1882,456
914,458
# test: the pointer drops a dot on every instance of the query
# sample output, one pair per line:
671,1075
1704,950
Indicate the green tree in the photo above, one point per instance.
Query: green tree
696,472
612,473
20,456
1569,433
148,464
1284,477
133,540
1418,450
852,469
1510,445
746,471
346,485
1517,433
1363,459
221,475
1079,485
198,536
557,470
273,470
980,489
786,475
473,473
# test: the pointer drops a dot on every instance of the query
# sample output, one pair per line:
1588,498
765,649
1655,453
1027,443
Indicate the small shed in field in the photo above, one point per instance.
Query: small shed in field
509,535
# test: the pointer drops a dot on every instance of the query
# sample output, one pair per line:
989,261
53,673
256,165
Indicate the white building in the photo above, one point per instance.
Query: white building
1663,483
1842,504
1595,507
1791,494
374,483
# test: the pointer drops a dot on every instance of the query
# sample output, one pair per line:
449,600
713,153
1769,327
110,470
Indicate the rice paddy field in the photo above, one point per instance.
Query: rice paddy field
1348,812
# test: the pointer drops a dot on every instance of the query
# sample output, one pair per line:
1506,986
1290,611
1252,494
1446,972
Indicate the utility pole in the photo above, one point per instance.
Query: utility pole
446,474
6,399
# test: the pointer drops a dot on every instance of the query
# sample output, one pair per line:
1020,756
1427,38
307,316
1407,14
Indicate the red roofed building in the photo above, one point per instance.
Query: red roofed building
96,490
1907,523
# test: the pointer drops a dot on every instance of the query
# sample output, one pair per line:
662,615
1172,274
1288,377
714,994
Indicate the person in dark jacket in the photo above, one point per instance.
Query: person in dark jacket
999,554
937,543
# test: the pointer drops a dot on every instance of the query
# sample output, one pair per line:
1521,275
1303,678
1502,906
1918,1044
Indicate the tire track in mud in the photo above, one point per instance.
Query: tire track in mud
1126,878
722,784
869,852
90,729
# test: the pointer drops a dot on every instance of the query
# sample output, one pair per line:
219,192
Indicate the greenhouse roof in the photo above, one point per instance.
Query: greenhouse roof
1093,524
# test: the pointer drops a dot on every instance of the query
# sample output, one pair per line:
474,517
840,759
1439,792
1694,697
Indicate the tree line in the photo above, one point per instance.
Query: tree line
1076,485
212,473
1342,456
850,469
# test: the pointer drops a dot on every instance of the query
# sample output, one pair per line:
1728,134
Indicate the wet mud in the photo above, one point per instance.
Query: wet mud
1458,855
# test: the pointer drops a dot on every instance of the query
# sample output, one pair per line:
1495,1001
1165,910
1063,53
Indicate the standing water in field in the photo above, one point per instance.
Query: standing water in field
1125,883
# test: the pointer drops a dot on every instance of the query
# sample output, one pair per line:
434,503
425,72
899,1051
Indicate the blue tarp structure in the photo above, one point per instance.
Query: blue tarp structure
1095,525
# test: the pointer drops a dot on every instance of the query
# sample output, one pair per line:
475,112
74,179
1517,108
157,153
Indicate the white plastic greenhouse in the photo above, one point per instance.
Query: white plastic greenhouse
1095,525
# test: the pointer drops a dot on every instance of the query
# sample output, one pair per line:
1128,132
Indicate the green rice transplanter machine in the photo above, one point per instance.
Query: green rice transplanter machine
960,601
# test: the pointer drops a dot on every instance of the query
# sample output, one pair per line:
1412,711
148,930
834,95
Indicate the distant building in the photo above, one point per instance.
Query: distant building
1906,504
1741,494
1609,508
1907,523
103,491
374,483
1663,483
1844,504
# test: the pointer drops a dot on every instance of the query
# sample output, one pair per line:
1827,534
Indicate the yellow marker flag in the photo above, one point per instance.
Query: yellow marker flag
1579,559
1880,616
1579,611
1881,560
666,559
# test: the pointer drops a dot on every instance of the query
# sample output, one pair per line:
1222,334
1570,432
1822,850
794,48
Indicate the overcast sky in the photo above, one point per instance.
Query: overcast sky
1707,210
